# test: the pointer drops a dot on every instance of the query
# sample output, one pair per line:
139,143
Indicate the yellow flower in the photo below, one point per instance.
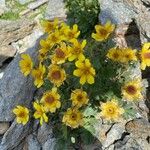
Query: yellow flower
42,54
111,110
62,30
49,26
45,44
55,38
123,55
128,55
73,118
22,114
132,90
79,98
72,33
103,31
26,64
56,75
76,51
61,54
114,54
85,71
51,100
40,112
145,56
38,75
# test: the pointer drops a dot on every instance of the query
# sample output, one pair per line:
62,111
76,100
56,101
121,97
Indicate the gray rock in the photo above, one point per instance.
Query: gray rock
12,31
54,5
147,2
33,143
15,89
36,4
49,144
2,7
44,133
116,11
24,1
14,135
3,127
127,143
114,134
124,11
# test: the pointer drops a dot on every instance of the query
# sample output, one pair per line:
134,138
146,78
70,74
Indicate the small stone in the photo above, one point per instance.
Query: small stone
3,127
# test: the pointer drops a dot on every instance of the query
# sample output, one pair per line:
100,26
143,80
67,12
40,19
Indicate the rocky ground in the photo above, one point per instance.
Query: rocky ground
16,36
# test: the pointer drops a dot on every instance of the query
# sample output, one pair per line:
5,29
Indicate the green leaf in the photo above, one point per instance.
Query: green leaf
89,111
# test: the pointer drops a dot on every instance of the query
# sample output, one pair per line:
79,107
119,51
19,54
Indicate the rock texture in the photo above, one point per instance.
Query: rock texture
125,11
56,8
12,31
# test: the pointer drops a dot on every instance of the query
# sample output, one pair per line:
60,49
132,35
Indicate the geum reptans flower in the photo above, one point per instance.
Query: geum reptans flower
145,56
111,110
38,75
79,98
132,90
76,50
26,64
40,112
85,71
22,114
103,31
51,100
73,118
56,75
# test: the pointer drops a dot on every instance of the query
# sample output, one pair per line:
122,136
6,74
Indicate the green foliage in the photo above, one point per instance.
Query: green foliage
84,13
10,16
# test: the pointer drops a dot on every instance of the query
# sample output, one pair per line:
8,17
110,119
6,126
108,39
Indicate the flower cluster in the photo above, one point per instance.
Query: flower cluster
60,48
62,57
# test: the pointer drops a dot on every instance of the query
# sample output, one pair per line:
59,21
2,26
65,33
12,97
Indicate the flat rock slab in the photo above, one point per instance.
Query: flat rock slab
12,31
15,89
14,135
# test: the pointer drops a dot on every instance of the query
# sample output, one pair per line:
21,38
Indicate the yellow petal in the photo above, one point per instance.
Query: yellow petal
77,72
90,79
83,79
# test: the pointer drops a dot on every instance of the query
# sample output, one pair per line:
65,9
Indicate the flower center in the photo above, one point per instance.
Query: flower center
73,116
39,74
146,55
131,90
50,26
56,75
77,50
21,114
116,55
54,38
103,32
79,97
127,56
110,110
50,99
59,53
86,71
71,34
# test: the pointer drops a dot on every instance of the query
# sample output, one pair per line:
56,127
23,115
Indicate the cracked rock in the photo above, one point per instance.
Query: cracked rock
15,89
